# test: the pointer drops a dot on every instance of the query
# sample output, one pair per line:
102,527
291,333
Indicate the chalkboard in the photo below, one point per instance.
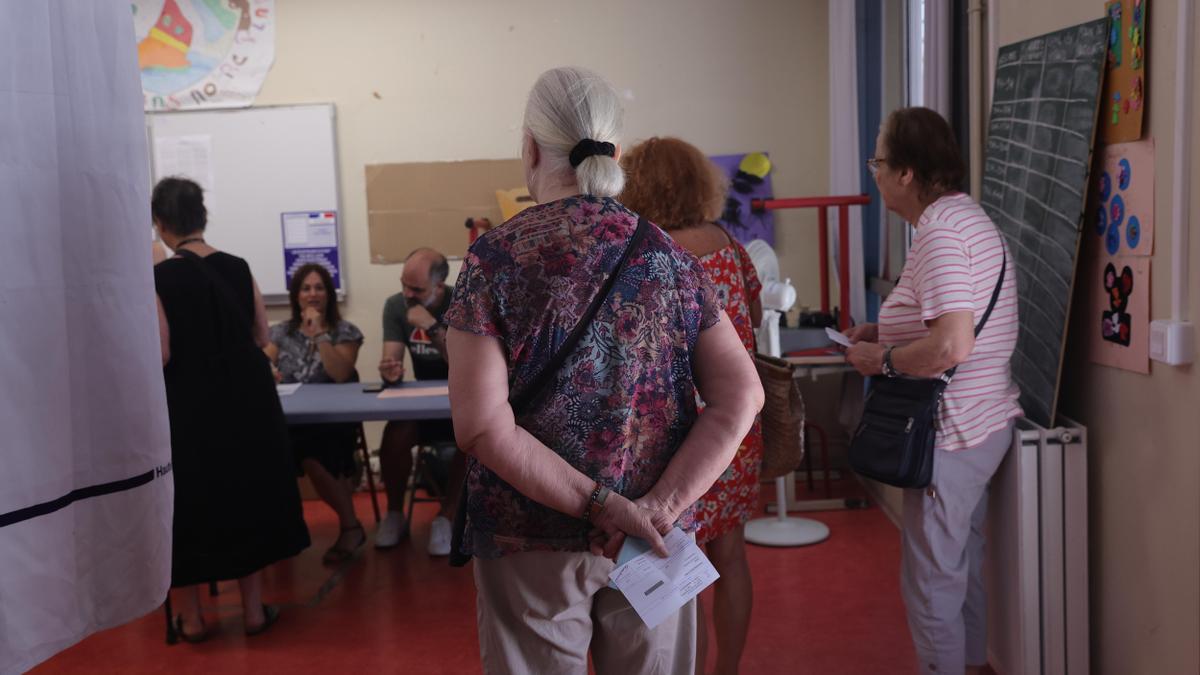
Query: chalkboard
258,167
1036,163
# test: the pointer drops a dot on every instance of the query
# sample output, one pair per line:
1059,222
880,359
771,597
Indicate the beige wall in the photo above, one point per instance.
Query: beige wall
1144,431
424,80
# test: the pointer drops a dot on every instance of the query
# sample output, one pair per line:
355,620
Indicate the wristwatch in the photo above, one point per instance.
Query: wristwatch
889,369
595,505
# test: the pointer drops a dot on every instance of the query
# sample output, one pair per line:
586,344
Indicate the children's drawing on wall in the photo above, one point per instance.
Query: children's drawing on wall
1119,271
1125,187
1116,324
1124,101
749,178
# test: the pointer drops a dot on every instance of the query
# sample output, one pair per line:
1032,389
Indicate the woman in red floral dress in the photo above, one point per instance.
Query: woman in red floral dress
672,184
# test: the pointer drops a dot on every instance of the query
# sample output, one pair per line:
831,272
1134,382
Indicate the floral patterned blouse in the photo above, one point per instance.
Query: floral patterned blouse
299,358
625,399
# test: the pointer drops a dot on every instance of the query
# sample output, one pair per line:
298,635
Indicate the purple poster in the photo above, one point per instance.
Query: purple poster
741,222
310,237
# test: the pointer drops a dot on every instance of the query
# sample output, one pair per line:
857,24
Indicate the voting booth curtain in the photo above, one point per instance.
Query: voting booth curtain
85,483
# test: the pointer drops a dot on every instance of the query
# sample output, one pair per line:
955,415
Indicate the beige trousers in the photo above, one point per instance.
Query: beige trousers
540,612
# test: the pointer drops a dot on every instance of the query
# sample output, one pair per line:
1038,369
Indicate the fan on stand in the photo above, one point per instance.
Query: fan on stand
777,298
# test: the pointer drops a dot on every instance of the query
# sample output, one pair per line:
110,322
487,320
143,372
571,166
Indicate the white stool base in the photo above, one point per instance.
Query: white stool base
786,531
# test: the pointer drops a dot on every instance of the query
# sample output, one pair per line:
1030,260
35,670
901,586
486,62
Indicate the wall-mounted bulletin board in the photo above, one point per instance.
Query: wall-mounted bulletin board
270,180
1124,102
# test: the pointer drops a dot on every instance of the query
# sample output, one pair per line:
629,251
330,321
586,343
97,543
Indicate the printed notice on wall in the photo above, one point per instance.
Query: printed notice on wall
186,157
310,237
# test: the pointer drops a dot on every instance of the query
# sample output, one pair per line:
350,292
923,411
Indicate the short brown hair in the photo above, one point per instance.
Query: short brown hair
921,140
672,184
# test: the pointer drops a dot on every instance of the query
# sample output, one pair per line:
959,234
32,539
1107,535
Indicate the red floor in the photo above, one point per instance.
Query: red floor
832,608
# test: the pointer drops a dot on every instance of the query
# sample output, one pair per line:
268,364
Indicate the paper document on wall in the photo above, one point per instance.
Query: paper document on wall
186,157
658,587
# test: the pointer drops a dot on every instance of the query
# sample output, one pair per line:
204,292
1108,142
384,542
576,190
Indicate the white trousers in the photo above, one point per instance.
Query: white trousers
941,571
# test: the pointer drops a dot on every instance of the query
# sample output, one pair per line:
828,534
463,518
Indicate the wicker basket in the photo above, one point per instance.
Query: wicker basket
782,417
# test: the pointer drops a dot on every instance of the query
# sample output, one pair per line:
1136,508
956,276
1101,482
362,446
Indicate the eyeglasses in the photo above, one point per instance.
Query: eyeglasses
874,163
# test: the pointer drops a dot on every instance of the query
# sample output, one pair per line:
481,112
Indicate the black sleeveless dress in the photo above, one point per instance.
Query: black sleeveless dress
237,505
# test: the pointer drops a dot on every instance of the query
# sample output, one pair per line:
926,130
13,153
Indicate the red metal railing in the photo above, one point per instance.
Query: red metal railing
822,204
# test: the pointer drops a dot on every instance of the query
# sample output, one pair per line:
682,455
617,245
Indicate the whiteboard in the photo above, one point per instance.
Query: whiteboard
255,164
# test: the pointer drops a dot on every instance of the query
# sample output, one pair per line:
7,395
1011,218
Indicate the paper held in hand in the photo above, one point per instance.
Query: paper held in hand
658,587
837,337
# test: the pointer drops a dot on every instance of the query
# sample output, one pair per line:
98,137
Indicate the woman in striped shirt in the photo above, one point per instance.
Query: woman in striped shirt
927,326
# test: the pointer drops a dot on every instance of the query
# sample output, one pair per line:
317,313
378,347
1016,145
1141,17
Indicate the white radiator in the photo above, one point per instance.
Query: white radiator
1037,554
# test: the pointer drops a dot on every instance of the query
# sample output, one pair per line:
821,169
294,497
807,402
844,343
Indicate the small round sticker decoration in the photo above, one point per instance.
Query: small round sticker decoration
1112,240
1126,174
1133,232
1116,210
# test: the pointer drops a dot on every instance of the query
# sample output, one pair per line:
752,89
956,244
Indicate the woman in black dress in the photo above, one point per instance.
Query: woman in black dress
237,506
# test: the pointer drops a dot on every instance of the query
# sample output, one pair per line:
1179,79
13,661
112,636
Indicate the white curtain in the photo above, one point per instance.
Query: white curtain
85,488
845,156
937,54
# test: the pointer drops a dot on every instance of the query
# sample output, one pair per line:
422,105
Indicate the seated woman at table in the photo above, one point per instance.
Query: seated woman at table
317,346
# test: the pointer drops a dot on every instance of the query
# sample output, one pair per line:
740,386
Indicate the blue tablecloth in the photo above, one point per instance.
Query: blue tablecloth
319,403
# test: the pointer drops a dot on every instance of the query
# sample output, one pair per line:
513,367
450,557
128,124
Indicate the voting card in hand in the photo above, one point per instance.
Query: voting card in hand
658,587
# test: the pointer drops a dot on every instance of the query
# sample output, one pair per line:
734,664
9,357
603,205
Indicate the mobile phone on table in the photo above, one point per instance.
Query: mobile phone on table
373,387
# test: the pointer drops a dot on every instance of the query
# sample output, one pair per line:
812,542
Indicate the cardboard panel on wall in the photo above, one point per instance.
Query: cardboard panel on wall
427,203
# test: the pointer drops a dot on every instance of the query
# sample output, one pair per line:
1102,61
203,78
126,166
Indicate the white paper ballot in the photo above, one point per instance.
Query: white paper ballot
838,337
658,587
287,389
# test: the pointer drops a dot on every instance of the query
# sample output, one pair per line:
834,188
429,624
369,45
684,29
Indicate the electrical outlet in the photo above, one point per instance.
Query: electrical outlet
1172,342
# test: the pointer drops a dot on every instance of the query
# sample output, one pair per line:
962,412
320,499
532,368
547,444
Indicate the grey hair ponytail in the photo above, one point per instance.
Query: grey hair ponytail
567,105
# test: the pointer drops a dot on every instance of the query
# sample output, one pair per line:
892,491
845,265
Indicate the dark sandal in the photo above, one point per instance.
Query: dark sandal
192,638
337,555
270,616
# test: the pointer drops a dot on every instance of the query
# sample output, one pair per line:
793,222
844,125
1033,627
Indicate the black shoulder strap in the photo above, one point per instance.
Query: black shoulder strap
519,400
996,292
991,304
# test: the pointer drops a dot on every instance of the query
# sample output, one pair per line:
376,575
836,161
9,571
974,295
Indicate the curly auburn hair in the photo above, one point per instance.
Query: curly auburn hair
672,184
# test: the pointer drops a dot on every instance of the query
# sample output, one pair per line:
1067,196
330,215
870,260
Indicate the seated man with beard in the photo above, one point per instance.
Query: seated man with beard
412,320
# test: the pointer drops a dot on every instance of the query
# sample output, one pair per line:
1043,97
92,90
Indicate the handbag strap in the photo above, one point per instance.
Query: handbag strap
991,304
519,401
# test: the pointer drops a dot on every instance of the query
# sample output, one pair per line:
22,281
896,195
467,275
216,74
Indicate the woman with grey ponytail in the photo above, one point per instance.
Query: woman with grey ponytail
580,336
573,118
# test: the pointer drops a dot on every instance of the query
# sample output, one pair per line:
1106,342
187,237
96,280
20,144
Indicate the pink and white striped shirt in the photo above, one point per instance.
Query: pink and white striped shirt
953,266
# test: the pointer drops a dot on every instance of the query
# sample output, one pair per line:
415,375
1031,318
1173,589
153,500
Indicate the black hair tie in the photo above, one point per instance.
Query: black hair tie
588,148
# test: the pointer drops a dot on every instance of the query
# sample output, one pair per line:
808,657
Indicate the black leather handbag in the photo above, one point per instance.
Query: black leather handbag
894,441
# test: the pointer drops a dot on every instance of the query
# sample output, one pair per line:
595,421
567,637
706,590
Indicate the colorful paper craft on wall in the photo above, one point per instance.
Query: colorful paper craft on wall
1118,275
749,178
1124,101
1124,216
1118,318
